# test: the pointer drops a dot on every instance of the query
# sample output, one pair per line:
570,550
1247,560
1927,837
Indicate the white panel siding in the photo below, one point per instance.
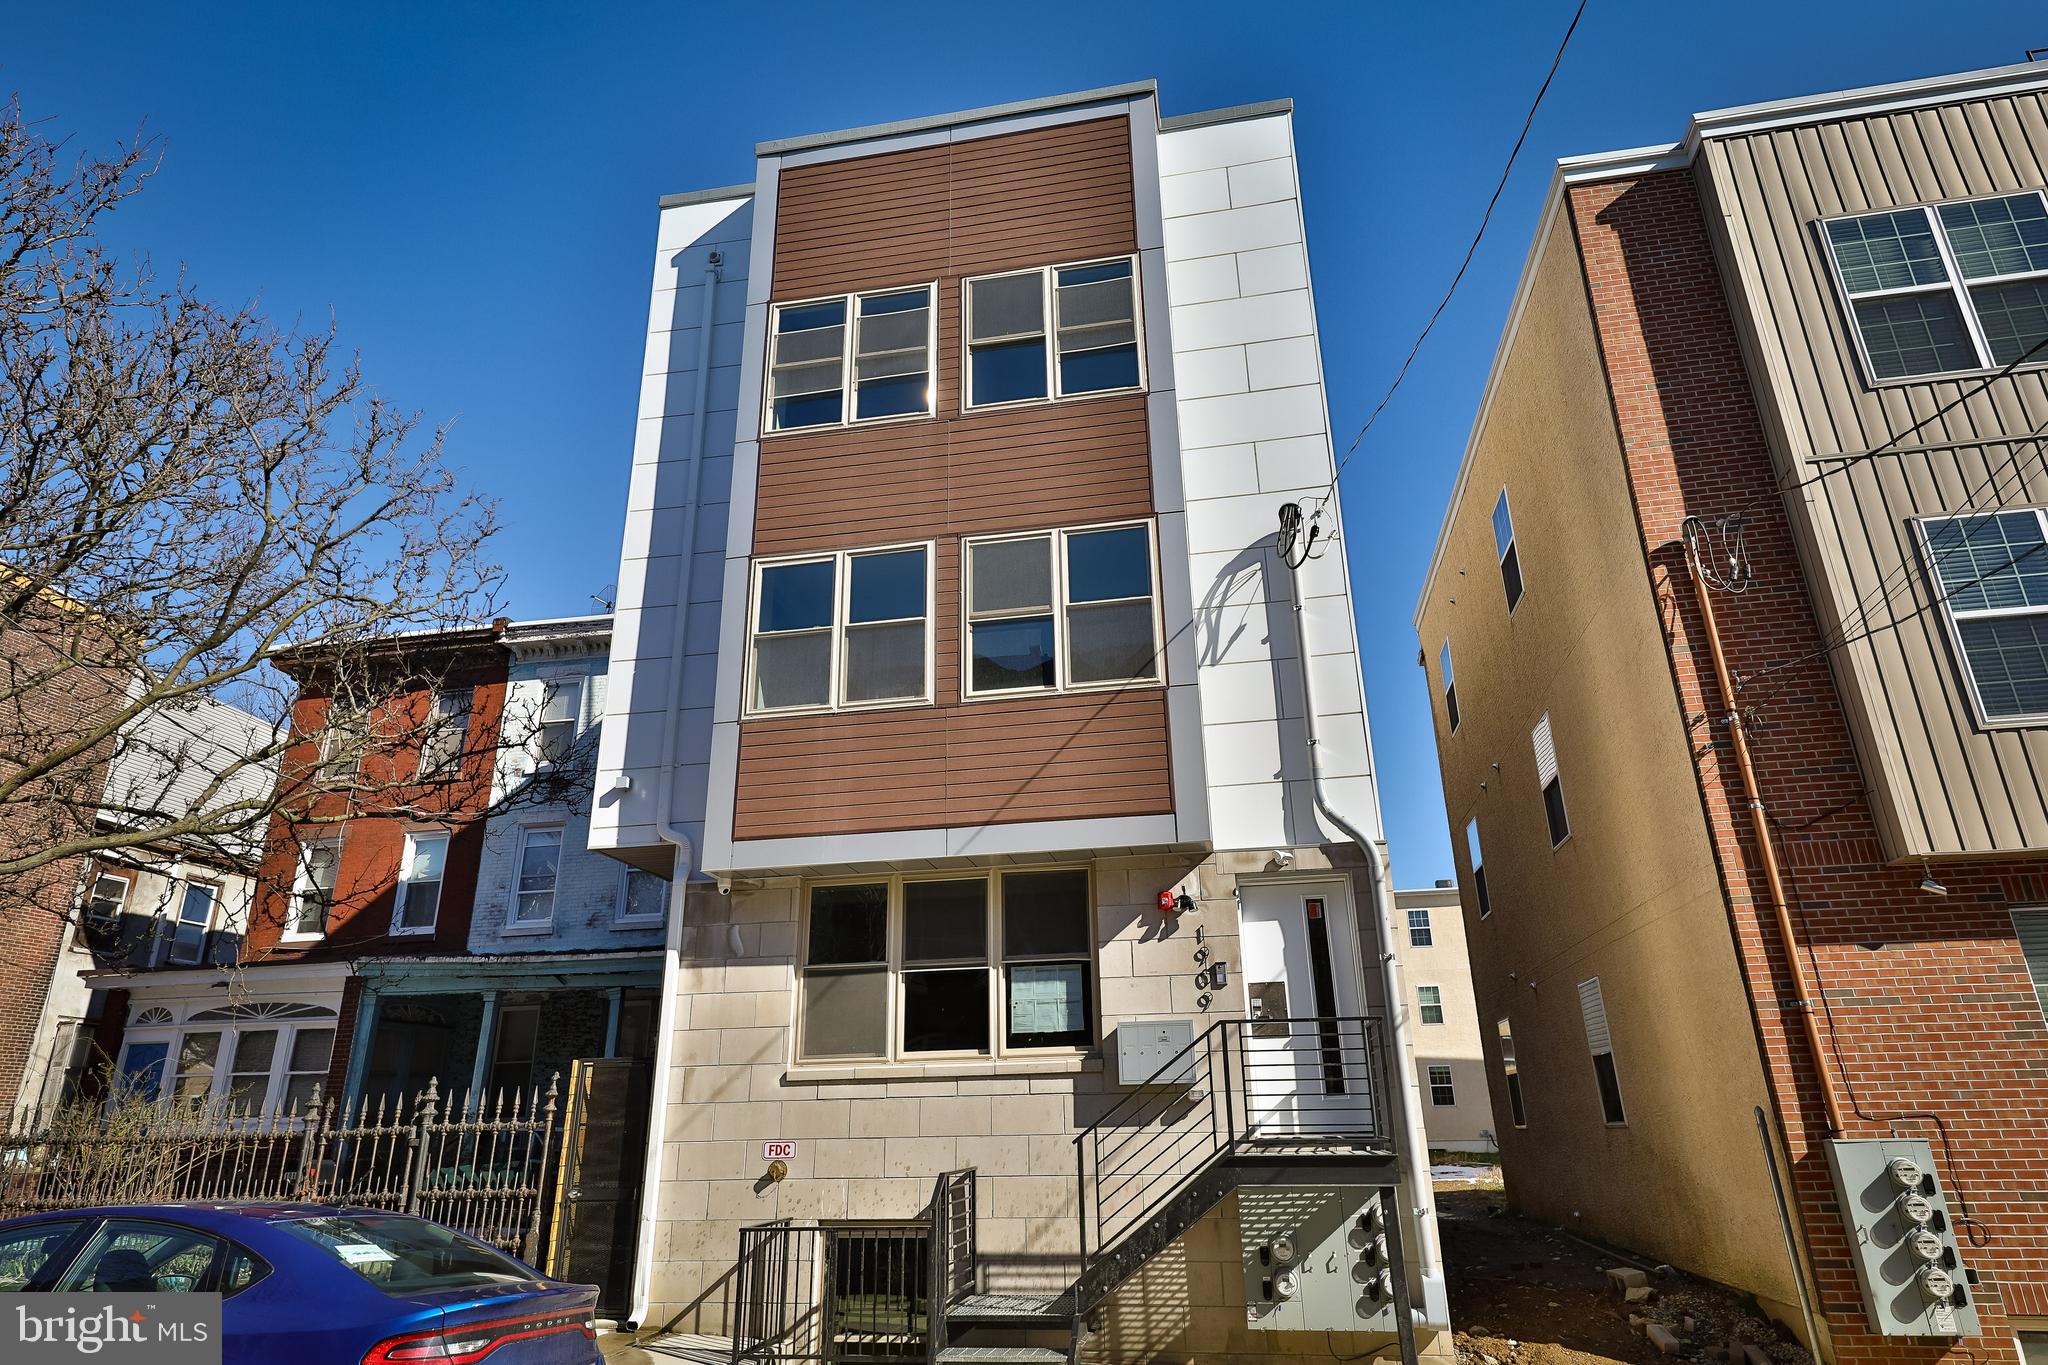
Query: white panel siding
1594,1007
1254,432
633,739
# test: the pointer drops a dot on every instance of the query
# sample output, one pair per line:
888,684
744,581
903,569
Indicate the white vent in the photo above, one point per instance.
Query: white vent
1595,1009
1546,752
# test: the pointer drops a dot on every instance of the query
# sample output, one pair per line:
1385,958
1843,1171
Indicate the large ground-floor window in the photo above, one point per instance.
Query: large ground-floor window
971,966
252,1060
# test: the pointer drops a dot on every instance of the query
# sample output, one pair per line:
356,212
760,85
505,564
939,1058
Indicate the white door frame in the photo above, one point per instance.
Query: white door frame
1266,1107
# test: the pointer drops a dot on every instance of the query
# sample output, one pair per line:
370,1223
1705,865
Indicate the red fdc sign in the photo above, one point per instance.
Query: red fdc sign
778,1151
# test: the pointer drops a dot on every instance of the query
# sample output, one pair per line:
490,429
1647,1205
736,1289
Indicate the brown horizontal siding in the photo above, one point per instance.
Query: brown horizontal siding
1038,758
941,214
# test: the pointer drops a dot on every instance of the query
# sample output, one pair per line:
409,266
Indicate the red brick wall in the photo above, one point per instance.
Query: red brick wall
1932,1008
372,844
47,702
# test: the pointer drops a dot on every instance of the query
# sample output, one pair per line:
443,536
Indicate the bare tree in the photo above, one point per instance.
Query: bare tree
190,495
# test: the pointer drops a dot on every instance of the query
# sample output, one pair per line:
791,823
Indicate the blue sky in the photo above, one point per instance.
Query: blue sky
469,191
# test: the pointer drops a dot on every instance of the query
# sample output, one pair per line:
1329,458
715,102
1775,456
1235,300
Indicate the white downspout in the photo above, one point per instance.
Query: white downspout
1414,1140
666,826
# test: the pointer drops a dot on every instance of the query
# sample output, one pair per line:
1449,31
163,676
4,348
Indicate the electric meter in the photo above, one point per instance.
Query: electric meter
1925,1244
1283,1250
1936,1282
1286,1285
1905,1172
1915,1209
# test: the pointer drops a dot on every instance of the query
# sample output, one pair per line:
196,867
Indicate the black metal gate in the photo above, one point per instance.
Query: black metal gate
604,1158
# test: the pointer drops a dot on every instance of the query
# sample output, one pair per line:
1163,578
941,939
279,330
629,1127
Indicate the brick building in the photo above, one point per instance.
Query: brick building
1766,420
46,699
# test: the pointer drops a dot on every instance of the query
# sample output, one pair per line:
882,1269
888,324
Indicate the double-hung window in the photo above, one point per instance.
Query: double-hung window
914,968
447,734
1478,868
1600,1042
1512,1074
561,711
1419,932
1946,288
535,873
195,917
1061,610
886,370
1548,779
1430,1000
643,898
418,903
1504,546
1442,1093
108,900
841,630
313,889
1056,332
1992,572
1450,686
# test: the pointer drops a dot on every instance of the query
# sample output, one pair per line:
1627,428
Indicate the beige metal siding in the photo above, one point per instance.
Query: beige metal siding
1942,781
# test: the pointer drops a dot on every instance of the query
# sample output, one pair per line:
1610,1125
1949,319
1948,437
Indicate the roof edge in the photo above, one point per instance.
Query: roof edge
1865,100
1231,114
719,195
872,131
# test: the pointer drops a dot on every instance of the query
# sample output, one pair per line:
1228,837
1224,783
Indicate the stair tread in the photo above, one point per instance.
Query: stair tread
1001,1355
1058,1306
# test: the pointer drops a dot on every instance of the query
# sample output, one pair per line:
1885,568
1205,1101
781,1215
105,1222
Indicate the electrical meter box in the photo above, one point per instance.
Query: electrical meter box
1903,1238
1315,1258
1144,1046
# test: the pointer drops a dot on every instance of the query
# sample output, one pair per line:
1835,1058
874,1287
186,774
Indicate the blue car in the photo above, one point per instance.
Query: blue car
313,1284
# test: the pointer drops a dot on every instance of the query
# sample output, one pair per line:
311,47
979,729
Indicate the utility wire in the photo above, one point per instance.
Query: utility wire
1470,251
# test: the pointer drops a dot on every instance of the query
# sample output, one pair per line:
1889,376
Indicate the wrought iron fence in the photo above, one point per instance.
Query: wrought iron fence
485,1167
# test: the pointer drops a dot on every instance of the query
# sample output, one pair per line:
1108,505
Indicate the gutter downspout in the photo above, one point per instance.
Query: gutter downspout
666,826
1767,851
1415,1141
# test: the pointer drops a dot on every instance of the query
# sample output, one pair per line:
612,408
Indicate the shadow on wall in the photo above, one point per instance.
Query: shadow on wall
1221,623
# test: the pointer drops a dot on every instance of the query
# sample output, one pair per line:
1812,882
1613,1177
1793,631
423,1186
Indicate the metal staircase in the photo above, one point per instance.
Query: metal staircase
1248,1103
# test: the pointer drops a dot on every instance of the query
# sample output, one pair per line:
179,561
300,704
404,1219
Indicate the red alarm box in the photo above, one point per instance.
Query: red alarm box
1169,903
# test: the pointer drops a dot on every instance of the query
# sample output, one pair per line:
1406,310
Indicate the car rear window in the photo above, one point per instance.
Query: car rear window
404,1256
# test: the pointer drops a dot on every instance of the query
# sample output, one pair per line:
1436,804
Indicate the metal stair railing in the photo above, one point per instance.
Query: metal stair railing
1272,1086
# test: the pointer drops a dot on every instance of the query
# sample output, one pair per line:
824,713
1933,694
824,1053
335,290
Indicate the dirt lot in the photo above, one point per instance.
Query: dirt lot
1523,1294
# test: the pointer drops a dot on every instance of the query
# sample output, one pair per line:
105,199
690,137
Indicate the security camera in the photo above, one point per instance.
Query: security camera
724,886
1282,858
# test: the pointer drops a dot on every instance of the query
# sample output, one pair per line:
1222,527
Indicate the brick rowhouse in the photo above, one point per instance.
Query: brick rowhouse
1927,1005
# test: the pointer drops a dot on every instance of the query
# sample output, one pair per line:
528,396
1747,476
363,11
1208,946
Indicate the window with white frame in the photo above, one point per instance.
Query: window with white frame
250,1059
1430,1000
842,630
1478,868
108,900
313,889
1552,784
1442,1093
447,734
1946,288
1420,934
887,369
1512,1074
1061,610
2032,926
1504,546
643,897
560,720
1450,686
1094,333
921,967
536,869
1600,1042
418,902
1992,574
195,917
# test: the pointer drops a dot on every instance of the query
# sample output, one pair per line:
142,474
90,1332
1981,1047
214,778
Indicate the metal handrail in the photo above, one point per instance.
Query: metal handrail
1241,1082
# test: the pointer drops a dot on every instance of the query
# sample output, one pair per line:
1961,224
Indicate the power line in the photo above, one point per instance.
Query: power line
1470,251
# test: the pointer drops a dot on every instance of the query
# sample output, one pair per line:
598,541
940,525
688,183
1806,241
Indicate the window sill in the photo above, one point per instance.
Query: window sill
1010,1067
641,925
1876,385
1077,690
905,704
297,937
426,932
527,930
1012,404
850,423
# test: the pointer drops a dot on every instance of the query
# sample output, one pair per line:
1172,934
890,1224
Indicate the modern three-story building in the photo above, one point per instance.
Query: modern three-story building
1010,762
1734,631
